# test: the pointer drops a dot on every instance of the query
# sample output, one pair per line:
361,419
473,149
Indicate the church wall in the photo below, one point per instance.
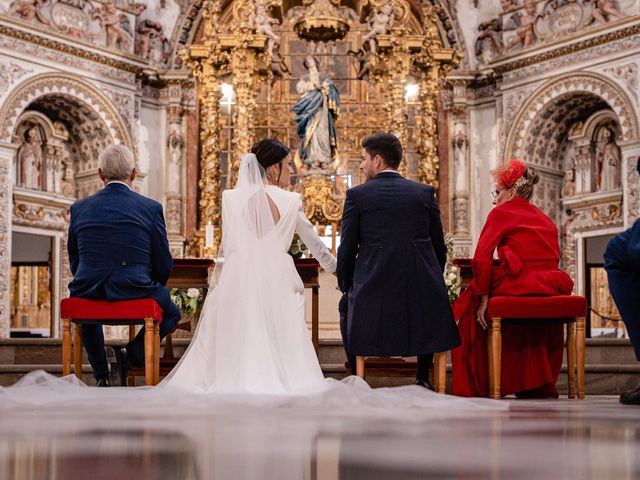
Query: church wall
151,150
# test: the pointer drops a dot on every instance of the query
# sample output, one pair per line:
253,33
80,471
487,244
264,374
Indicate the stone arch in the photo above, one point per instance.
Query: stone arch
569,96
57,85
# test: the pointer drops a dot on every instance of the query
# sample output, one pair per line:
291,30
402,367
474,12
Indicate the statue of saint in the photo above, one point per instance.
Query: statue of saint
316,112
608,156
30,160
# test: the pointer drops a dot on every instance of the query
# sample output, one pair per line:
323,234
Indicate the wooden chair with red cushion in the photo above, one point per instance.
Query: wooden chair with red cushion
130,312
569,309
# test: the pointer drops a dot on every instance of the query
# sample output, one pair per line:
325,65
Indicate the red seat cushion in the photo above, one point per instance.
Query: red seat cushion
81,308
560,306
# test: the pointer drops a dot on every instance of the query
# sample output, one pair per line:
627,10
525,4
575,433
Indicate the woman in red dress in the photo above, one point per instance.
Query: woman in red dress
528,257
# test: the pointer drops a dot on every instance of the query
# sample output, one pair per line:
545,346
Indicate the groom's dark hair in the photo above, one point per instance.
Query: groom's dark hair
387,145
269,152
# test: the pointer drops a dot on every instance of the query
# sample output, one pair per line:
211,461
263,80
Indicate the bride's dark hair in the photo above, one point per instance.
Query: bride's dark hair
269,152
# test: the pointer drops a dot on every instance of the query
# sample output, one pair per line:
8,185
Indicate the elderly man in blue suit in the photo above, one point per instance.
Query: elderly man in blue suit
622,263
390,263
118,250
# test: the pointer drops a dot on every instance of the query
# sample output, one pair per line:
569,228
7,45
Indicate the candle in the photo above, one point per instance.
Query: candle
208,235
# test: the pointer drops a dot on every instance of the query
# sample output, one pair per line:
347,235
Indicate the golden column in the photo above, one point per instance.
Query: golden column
400,56
236,51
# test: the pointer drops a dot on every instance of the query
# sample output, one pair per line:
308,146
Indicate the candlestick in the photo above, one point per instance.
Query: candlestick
208,235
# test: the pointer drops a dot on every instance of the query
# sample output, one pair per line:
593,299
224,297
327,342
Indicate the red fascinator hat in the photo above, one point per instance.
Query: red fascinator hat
507,175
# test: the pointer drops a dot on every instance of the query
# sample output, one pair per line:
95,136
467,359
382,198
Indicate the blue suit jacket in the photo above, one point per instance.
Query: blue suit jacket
390,262
118,248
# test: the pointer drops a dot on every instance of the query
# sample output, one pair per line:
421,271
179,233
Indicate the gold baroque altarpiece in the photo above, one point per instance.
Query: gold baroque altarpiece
370,68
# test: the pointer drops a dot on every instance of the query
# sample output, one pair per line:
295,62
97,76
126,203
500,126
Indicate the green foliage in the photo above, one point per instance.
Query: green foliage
188,300
297,248
451,279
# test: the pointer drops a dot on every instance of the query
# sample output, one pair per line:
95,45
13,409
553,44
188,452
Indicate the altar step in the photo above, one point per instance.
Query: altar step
611,364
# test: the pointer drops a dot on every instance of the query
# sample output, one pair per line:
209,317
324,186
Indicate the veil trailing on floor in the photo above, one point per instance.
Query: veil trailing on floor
246,335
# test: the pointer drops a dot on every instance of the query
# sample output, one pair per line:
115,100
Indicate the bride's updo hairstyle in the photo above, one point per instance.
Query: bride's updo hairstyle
269,152
518,176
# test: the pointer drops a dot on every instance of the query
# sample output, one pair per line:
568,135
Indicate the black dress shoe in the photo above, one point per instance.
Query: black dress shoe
631,398
426,384
102,382
122,364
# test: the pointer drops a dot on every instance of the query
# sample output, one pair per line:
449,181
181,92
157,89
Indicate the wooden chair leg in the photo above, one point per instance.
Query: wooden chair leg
440,371
360,366
495,357
149,347
571,359
132,332
156,353
77,349
580,354
66,346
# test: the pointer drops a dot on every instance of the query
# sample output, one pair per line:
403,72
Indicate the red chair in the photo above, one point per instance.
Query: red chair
567,309
130,312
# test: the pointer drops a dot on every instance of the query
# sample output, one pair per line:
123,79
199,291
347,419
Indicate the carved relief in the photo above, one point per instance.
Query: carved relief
628,75
9,73
151,42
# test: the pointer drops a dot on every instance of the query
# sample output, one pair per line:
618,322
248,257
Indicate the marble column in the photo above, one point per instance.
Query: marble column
7,155
175,154
460,167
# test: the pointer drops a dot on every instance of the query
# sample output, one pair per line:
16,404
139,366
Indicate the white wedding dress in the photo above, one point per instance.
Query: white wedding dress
252,334
252,347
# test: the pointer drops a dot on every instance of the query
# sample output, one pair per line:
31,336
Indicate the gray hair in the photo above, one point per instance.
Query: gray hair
116,162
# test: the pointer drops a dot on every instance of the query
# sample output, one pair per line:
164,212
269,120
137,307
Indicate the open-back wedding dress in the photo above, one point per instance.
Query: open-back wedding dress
251,346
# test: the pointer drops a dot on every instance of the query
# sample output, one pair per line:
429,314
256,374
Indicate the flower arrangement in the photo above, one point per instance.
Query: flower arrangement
188,300
297,248
451,279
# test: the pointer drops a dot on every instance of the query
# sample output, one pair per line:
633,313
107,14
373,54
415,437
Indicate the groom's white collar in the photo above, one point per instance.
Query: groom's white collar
118,181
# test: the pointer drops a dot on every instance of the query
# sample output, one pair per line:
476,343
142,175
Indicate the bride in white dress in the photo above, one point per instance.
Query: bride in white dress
252,334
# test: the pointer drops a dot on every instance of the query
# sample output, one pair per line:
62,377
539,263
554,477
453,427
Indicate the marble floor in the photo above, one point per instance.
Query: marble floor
593,439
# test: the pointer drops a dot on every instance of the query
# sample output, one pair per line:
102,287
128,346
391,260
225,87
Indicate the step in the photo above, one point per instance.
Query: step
49,351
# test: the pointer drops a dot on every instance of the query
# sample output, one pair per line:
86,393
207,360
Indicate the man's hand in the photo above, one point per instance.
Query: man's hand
482,309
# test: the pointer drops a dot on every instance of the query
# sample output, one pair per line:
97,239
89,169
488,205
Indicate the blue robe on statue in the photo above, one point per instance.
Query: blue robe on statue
306,110
622,263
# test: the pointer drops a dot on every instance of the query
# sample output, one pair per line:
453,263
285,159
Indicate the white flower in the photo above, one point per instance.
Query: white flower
193,293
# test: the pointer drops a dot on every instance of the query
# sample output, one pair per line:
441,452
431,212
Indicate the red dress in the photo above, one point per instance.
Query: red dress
528,254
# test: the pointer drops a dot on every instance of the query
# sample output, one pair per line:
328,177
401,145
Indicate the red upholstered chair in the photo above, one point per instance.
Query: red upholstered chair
130,312
569,309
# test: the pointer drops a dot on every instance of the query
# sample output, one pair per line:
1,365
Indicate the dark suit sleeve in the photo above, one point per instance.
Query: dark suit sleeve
436,233
72,245
161,259
348,249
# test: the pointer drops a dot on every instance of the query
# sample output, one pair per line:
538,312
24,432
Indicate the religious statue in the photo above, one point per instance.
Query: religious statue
151,42
608,160
569,183
492,31
525,34
263,24
379,24
30,160
604,10
66,167
363,57
176,144
278,65
27,10
112,20
316,112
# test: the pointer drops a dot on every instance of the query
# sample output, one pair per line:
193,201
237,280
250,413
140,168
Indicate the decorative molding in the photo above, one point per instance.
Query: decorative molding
26,33
65,85
527,58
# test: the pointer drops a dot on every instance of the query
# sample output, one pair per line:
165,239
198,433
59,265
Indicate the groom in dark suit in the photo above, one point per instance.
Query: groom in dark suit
118,250
390,264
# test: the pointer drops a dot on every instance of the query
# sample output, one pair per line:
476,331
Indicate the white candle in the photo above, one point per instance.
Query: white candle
208,235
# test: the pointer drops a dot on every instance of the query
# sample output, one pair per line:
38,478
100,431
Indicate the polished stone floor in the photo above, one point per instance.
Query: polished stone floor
593,439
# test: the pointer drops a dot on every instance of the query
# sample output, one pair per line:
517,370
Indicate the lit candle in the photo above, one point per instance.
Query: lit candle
208,235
